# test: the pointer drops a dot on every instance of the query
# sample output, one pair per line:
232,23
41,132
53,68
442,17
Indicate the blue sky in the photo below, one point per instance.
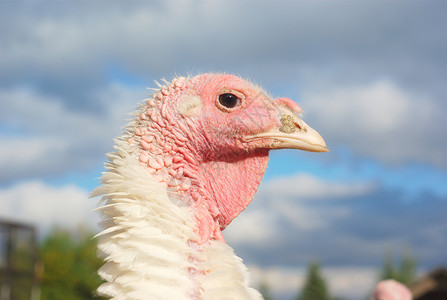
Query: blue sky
371,77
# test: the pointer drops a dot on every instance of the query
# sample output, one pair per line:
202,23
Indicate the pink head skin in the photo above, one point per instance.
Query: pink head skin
208,137
391,290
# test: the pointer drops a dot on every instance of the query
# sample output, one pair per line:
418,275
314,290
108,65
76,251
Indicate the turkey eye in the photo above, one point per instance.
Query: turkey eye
229,100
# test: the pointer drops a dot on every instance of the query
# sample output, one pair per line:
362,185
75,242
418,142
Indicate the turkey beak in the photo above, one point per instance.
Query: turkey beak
292,132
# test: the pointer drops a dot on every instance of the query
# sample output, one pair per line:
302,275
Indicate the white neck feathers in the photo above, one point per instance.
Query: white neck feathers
147,246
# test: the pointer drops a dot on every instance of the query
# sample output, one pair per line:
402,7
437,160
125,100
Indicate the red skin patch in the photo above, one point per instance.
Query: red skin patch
203,157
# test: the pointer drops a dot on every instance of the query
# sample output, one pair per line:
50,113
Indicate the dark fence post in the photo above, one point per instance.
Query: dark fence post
18,261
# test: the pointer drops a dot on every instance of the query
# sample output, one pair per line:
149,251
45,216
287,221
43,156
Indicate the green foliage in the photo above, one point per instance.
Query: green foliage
404,273
69,266
315,287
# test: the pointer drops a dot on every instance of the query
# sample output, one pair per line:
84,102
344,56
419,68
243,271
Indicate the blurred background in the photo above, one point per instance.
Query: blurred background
371,77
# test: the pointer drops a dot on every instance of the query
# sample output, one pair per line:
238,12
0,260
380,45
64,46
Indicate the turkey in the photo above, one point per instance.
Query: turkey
187,164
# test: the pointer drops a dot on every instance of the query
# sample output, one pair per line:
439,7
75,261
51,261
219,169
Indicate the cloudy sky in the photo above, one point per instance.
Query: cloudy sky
371,77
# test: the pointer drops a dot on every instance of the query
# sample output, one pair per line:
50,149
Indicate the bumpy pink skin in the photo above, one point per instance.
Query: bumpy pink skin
391,290
202,157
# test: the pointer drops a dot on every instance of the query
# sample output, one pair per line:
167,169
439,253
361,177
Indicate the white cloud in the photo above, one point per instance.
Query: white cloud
337,226
351,282
286,282
31,156
67,50
45,206
164,37
56,139
142,35
282,282
307,218
378,108
35,112
306,186
246,228
292,200
380,120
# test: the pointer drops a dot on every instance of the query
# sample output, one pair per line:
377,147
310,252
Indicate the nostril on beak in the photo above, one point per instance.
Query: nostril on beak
288,124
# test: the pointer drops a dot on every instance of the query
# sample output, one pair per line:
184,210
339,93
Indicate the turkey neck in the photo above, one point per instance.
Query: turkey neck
231,184
217,190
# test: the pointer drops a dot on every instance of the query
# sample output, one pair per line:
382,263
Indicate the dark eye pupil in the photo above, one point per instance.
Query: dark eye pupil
228,100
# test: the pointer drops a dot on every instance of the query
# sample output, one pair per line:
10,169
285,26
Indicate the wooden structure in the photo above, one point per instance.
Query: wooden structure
432,286
18,261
